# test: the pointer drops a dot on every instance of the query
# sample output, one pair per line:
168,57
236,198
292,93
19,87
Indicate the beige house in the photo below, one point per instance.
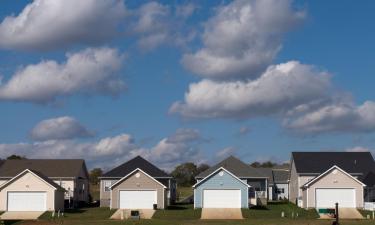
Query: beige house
69,174
31,191
320,179
137,184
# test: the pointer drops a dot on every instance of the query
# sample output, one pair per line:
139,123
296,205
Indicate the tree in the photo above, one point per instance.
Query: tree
267,164
202,167
16,157
185,174
95,174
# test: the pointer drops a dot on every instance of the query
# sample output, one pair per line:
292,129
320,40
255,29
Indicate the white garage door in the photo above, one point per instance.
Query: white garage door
327,197
27,201
137,199
221,199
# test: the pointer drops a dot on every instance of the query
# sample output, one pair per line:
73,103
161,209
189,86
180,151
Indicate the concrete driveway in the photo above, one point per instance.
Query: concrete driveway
221,214
122,214
20,215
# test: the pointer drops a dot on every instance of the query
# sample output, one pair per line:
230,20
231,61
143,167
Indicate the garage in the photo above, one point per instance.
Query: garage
327,197
221,198
138,199
27,201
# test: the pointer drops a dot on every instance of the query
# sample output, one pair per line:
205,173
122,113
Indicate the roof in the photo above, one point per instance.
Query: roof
236,167
36,173
326,172
129,174
217,170
358,163
136,163
274,175
48,167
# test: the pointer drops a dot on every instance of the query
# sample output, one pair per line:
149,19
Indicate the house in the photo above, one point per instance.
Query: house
69,174
31,191
137,184
278,182
320,179
230,184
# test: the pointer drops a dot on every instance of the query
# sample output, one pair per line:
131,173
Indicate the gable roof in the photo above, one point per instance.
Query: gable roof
48,167
35,173
274,175
128,175
136,163
359,163
214,172
236,167
326,172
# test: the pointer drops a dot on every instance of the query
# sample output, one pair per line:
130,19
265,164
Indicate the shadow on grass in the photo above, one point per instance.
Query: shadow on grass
179,206
10,222
259,207
75,211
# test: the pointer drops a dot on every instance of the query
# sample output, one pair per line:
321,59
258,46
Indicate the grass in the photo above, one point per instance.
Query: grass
185,215
274,210
96,213
365,213
184,192
178,212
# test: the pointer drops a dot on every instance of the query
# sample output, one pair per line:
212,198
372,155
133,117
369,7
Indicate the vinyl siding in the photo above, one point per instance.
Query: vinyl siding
105,196
143,182
293,184
338,180
216,181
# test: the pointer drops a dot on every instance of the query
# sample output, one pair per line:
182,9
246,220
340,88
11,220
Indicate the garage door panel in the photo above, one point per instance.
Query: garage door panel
222,198
27,201
327,197
138,199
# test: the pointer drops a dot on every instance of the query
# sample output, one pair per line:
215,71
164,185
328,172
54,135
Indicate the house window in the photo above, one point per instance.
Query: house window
280,191
107,185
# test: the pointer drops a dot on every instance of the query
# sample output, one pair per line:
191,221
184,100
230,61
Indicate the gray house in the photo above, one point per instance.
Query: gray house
137,184
278,182
230,184
320,179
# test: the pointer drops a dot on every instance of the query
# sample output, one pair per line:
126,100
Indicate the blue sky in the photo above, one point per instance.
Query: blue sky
185,81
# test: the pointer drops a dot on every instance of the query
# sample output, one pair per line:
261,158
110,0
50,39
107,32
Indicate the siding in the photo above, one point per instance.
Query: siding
143,182
29,182
105,196
216,181
293,184
338,180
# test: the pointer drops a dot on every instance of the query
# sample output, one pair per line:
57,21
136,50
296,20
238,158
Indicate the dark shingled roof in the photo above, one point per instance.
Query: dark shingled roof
137,162
319,162
274,175
48,167
235,166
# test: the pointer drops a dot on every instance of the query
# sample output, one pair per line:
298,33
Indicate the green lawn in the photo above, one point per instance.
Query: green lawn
184,192
274,210
186,215
365,213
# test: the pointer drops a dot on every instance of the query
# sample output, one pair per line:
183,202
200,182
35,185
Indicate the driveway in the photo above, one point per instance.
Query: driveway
122,214
221,214
20,215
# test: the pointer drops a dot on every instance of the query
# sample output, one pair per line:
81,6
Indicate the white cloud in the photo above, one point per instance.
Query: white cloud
184,135
242,38
59,128
110,151
244,130
91,71
335,117
358,149
45,24
224,153
279,89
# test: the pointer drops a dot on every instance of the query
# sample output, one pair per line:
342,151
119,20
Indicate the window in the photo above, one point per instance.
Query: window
107,185
280,191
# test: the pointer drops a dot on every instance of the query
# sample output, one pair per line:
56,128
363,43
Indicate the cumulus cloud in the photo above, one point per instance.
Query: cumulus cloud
112,151
44,24
59,128
90,71
280,88
242,38
224,153
335,117
358,149
156,24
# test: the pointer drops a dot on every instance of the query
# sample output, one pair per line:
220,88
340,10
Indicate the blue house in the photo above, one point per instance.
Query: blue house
230,184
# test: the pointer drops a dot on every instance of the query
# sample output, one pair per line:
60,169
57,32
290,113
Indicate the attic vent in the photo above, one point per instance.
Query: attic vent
355,162
221,173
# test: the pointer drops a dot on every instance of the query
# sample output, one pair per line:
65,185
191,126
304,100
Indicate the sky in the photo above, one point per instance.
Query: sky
185,81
